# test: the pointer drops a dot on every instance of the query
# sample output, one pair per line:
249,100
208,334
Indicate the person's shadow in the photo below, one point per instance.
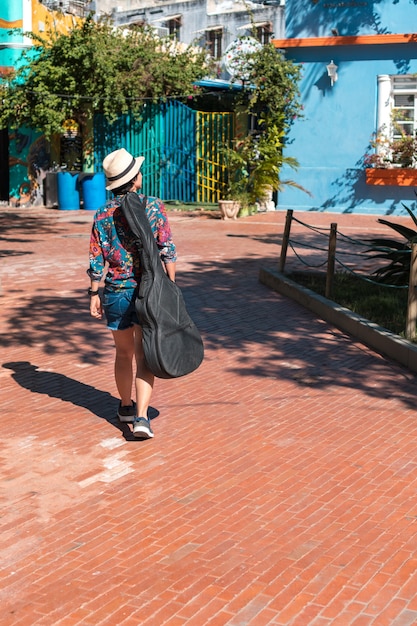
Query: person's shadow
101,403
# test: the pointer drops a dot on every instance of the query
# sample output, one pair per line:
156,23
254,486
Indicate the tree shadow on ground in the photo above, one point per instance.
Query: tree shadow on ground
59,325
23,227
277,338
22,224
54,385
232,310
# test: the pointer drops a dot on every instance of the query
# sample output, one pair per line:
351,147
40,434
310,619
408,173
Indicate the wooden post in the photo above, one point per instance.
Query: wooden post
331,260
410,330
285,239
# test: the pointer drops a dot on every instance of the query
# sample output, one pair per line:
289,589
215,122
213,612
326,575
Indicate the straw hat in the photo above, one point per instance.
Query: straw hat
120,167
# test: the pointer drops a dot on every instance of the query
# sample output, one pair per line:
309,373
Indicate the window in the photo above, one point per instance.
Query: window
214,42
261,30
404,94
263,33
396,132
174,26
397,105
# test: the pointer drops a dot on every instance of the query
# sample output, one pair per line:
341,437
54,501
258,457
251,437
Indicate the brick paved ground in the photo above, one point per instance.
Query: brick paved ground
281,484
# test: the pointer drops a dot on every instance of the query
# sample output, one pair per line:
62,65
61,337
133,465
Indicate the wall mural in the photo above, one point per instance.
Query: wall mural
29,160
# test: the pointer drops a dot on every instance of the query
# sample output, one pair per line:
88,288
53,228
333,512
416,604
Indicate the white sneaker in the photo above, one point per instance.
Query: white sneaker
142,428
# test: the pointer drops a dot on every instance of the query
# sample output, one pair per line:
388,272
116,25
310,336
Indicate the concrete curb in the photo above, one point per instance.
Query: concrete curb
376,337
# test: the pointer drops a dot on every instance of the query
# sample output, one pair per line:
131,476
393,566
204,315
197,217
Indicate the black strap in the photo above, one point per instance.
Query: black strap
134,210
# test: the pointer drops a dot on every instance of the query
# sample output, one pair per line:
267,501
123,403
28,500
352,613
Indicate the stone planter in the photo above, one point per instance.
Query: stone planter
401,176
267,204
229,209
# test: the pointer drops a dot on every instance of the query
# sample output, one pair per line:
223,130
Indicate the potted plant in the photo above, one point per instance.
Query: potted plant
253,166
269,100
235,196
393,161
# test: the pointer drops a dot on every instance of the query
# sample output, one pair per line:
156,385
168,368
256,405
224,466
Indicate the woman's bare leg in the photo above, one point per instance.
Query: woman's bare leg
123,363
144,380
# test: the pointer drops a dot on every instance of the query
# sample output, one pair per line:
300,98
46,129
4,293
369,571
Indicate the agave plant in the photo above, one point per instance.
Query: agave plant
396,252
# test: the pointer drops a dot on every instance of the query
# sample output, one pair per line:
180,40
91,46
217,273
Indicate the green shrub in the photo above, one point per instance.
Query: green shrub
385,306
396,252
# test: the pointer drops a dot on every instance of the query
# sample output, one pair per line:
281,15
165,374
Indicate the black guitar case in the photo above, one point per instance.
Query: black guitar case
171,342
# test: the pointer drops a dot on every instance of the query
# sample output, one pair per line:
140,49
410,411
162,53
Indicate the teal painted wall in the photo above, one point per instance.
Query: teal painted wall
11,12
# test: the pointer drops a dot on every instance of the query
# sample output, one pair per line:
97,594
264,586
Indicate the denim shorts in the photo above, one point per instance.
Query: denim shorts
119,309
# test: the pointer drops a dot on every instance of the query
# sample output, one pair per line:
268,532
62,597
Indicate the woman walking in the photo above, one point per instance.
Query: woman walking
112,246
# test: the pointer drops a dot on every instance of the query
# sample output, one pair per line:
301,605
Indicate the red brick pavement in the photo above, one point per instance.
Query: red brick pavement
280,487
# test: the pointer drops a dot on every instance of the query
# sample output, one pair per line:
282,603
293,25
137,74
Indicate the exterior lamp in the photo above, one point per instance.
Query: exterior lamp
332,72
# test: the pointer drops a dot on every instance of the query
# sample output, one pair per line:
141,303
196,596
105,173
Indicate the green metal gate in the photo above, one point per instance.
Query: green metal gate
182,149
138,136
178,164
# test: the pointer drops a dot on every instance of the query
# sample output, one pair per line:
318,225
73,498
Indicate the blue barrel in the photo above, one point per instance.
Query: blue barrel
93,187
68,194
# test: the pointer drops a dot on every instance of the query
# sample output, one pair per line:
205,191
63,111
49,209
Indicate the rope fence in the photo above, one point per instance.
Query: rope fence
332,237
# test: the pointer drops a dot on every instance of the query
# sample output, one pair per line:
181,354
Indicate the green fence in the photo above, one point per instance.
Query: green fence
181,146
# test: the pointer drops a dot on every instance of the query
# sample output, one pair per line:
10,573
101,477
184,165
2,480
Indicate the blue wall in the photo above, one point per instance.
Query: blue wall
331,140
317,18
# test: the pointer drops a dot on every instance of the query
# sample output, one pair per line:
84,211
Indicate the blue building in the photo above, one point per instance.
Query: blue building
359,73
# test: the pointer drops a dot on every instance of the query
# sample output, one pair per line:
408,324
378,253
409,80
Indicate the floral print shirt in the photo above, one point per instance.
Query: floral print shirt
112,244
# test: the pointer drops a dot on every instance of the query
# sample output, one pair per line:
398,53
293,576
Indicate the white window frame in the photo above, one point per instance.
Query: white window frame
404,94
390,90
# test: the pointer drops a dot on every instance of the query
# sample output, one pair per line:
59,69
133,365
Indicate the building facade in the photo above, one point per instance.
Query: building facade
359,63
213,24
18,17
